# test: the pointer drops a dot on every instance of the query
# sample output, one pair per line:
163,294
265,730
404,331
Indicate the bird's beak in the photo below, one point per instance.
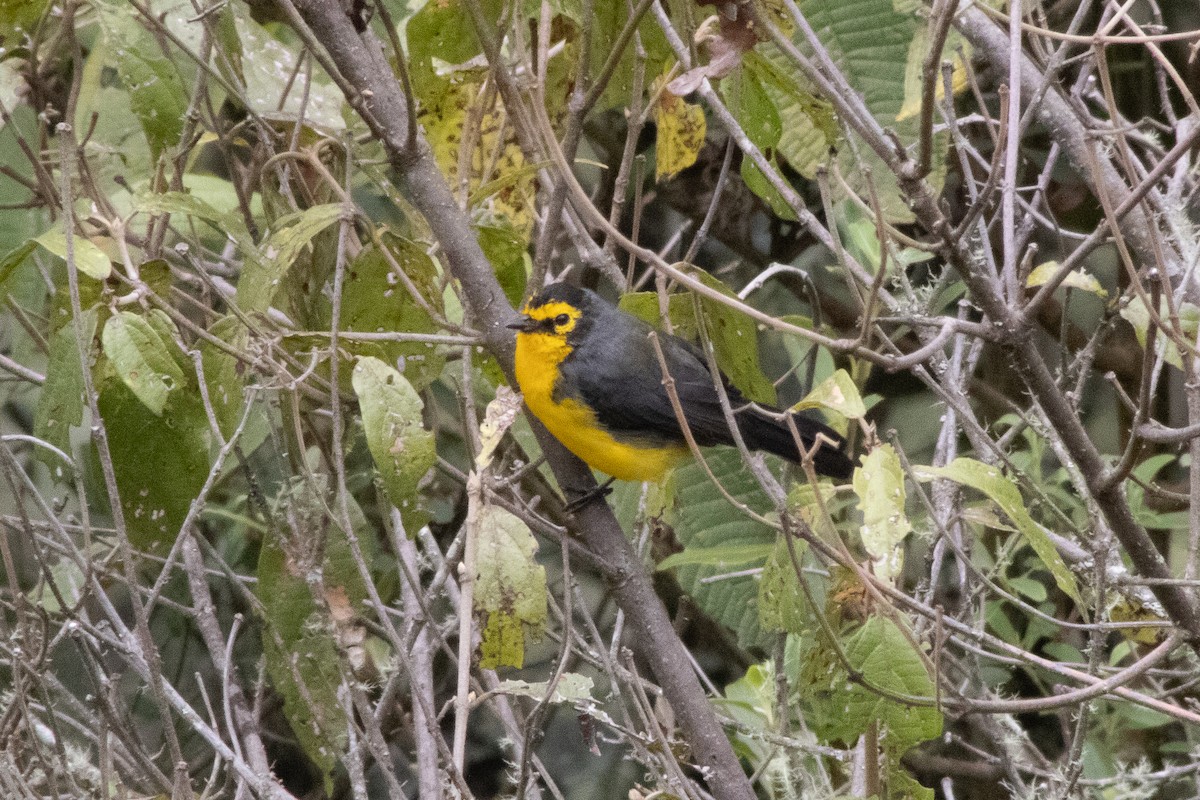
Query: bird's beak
524,324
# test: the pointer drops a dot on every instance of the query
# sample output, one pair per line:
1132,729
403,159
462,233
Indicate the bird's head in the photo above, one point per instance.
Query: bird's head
555,312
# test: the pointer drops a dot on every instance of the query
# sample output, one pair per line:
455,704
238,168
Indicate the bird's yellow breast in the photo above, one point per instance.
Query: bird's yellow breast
574,424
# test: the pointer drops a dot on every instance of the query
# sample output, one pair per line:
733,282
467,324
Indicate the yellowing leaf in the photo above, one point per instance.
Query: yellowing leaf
681,129
1076,279
459,111
836,393
913,79
510,588
1132,611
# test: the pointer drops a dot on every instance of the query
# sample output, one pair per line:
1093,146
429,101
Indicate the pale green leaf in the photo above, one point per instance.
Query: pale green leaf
501,413
261,277
401,447
141,359
270,68
879,484
89,259
156,91
570,688
64,580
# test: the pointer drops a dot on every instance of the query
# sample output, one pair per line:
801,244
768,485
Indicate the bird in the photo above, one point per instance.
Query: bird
591,374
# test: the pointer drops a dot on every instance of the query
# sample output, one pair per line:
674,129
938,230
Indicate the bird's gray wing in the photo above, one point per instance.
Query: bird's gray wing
620,378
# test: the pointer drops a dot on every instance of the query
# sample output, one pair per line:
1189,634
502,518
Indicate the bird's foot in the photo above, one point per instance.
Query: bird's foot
598,493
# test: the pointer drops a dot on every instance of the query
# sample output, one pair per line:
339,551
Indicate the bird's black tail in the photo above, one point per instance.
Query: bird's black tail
761,432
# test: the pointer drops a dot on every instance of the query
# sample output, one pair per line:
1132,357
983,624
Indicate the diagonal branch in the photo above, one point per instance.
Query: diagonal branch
371,89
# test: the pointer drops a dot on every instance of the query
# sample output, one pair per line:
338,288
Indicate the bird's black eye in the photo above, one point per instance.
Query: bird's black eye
561,319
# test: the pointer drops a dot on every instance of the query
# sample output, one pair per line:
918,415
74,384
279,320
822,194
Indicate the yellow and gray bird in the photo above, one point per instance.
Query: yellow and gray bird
591,374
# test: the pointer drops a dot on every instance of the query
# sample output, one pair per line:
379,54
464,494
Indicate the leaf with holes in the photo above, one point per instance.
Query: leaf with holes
401,447
141,359
510,588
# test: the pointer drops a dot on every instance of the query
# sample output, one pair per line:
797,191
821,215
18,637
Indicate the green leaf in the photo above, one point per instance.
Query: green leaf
270,68
223,373
758,183
723,557
194,206
1004,493
141,359
401,447
261,277
300,636
752,106
807,124
510,588
837,393
15,258
870,41
782,605
375,301
608,20
160,460
507,252
60,405
704,519
18,17
156,91
437,30
879,484
881,653
89,259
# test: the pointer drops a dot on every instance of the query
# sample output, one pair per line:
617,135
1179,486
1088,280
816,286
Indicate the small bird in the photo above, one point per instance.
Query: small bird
591,374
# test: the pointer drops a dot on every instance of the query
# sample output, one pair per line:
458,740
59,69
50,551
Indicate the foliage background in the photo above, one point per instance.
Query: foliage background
274,526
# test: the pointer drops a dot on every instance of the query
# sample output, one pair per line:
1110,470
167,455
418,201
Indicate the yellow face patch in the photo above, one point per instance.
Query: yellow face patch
564,316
